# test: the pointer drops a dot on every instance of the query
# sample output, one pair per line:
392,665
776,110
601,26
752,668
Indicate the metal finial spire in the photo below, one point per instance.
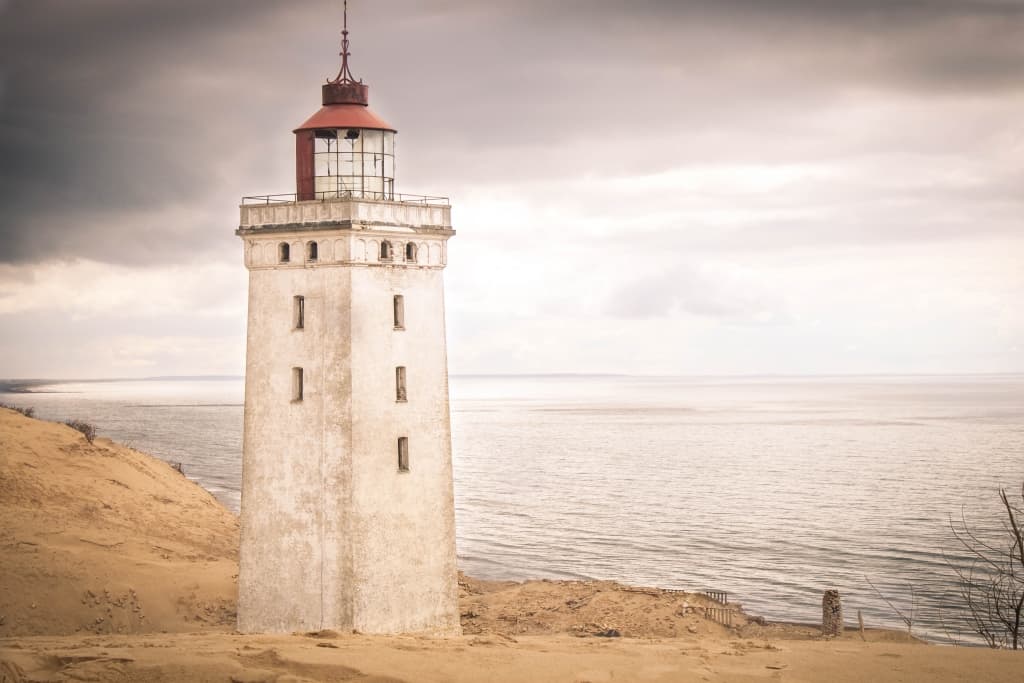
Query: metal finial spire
345,75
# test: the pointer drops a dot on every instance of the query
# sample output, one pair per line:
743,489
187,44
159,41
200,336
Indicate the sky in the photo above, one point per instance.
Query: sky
715,187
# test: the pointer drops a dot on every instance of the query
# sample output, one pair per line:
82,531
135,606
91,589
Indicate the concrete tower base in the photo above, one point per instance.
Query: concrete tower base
347,505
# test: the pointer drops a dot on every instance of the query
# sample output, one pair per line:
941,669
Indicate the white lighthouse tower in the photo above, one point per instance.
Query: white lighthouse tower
347,509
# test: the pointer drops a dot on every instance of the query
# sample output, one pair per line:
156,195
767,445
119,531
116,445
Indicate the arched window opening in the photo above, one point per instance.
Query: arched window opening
284,252
297,385
385,251
311,251
410,252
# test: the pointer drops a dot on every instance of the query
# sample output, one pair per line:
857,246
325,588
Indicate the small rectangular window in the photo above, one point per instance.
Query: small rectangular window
403,454
300,312
400,394
297,381
399,312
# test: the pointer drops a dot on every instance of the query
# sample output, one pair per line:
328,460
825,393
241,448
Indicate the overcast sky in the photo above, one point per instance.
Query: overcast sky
706,187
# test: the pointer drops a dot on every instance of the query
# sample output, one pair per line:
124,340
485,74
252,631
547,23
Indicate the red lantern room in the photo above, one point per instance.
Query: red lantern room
345,150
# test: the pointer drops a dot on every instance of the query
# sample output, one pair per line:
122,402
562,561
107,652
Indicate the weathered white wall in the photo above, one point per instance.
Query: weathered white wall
404,566
290,449
333,534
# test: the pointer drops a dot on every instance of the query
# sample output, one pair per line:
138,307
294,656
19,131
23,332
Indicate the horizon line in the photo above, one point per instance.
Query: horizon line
12,383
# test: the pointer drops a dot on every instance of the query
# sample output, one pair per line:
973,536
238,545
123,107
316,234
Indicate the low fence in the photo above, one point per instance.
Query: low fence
720,615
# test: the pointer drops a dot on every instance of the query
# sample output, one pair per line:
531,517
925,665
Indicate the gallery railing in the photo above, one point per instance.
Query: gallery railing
325,196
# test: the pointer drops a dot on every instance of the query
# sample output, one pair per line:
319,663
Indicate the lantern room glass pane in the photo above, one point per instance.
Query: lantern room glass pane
326,186
326,140
374,187
325,164
372,165
351,186
350,162
373,141
347,166
351,139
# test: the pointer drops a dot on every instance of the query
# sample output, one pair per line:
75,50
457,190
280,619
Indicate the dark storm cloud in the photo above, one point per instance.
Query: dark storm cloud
128,129
105,131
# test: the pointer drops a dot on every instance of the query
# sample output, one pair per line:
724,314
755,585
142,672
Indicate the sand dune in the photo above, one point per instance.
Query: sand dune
116,567
101,538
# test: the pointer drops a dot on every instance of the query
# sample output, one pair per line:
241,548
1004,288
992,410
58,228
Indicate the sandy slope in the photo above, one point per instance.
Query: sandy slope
114,567
101,538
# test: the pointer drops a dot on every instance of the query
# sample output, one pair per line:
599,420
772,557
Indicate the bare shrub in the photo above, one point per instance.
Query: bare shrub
907,617
27,412
992,584
178,467
88,429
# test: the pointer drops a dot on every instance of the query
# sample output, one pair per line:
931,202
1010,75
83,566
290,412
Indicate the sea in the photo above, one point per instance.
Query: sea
772,489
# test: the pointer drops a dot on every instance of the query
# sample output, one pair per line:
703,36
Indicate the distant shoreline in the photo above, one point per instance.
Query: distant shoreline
26,385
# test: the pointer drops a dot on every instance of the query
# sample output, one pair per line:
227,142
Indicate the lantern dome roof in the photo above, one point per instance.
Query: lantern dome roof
345,116
345,99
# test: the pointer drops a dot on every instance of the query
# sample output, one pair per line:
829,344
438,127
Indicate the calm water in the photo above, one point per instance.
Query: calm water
772,489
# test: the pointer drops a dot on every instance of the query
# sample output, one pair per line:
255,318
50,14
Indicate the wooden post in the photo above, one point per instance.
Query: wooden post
860,620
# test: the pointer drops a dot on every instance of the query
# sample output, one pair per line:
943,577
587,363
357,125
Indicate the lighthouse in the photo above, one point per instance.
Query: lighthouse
347,518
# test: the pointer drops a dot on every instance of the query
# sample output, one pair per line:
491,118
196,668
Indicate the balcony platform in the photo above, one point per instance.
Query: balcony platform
283,212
